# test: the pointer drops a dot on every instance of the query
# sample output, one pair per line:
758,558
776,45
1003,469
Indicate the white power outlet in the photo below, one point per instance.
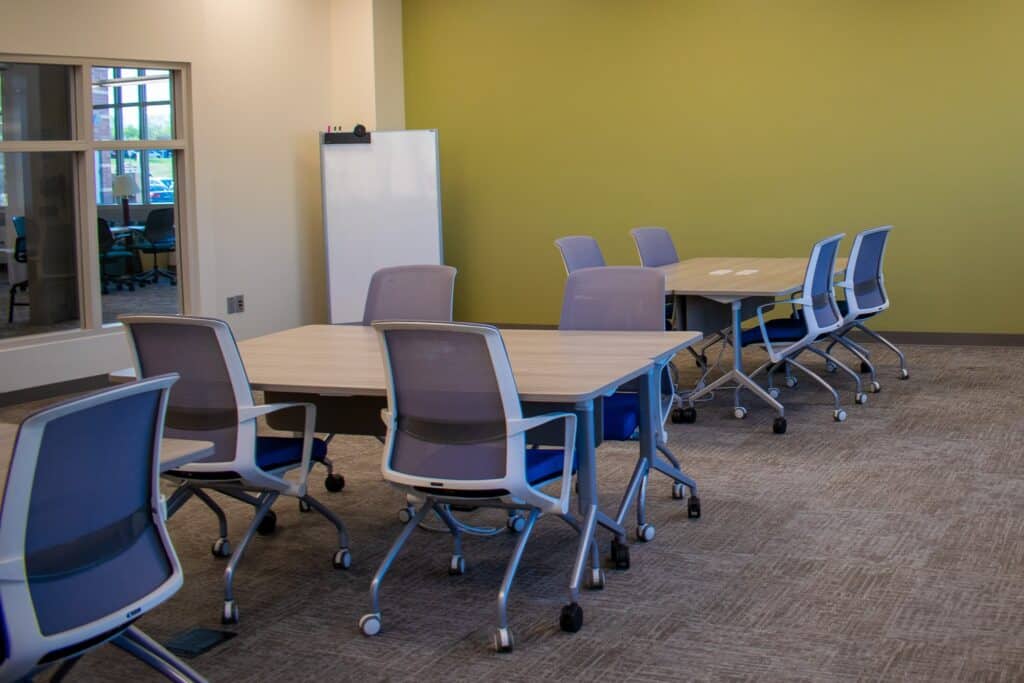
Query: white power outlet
236,304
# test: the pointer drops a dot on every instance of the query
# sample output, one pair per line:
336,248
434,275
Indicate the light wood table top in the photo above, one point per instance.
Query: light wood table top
738,277
549,365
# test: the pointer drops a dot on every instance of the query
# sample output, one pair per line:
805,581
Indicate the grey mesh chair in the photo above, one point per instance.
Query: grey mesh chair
628,298
818,316
158,237
213,402
655,247
456,436
579,252
84,548
866,297
414,292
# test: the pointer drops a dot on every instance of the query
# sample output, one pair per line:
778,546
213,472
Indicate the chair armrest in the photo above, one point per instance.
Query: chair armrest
252,412
527,423
764,330
568,452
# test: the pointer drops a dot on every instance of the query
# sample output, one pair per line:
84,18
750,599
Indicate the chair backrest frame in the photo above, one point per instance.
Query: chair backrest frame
852,282
579,251
438,275
27,644
654,246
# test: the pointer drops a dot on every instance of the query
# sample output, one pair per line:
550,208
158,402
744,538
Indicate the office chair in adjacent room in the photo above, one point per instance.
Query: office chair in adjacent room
158,237
866,297
578,252
628,298
817,316
17,270
455,436
113,254
213,402
84,547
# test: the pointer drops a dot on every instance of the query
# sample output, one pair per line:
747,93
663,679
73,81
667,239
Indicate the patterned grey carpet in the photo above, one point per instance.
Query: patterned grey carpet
889,547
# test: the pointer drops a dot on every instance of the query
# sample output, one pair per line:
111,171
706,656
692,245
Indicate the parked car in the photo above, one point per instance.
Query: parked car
161,191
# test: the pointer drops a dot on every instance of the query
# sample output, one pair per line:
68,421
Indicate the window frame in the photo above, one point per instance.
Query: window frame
84,149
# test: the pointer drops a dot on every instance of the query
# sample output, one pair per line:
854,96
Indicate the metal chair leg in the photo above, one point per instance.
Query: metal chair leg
389,559
513,565
828,387
230,613
144,648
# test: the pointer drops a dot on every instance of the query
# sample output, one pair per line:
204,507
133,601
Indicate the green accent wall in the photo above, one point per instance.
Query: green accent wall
744,127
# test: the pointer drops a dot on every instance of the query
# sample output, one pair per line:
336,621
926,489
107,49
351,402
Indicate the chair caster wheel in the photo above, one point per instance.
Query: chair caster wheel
503,641
678,490
334,483
645,533
457,566
304,506
865,367
791,382
831,367
229,615
342,559
620,555
773,392
904,373
405,514
515,524
874,387
571,619
739,412
369,624
268,524
595,579
221,548
779,425
861,398
839,415
693,507
687,415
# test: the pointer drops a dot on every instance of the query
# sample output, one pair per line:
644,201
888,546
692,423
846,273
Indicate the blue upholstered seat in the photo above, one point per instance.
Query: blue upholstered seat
545,464
621,416
779,330
273,452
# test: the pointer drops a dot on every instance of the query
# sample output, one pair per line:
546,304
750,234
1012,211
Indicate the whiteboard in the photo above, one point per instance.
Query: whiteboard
382,207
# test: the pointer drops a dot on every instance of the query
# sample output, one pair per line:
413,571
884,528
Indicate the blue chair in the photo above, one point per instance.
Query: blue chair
456,436
866,297
115,254
18,284
627,298
817,315
213,402
158,237
578,252
82,536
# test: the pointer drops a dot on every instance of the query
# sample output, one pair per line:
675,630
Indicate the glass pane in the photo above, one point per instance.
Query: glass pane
117,95
36,101
38,254
138,242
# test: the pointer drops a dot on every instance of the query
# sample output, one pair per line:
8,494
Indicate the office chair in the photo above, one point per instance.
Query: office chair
19,283
213,402
112,253
817,316
866,297
158,238
655,247
627,298
579,252
456,436
82,535
414,292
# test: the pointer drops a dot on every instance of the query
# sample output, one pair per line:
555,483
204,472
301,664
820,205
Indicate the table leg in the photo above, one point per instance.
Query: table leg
736,374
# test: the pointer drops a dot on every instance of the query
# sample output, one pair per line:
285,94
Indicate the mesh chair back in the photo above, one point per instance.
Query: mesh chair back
93,541
866,263
579,252
445,395
19,225
160,225
655,247
614,298
106,237
421,292
819,282
204,403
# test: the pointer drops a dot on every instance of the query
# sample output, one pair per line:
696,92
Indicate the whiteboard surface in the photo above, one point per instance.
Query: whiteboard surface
382,207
